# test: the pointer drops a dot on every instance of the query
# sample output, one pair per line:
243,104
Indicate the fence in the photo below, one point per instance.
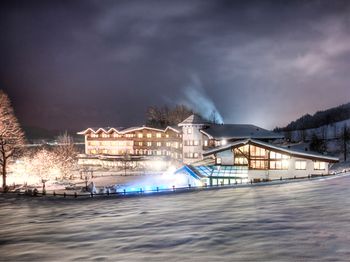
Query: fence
157,190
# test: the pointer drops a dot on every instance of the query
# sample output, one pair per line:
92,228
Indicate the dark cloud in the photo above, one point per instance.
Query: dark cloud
73,64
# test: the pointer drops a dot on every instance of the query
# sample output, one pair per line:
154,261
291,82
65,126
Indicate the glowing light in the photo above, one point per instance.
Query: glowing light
224,142
159,165
159,182
285,163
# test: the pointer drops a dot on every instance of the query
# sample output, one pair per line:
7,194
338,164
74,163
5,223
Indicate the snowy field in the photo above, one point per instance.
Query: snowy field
303,221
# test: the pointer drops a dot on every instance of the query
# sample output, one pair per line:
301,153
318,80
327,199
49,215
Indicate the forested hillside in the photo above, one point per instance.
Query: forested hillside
320,118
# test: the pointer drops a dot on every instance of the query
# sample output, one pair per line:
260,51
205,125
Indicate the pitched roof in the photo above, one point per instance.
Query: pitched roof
193,120
292,152
122,130
98,129
239,131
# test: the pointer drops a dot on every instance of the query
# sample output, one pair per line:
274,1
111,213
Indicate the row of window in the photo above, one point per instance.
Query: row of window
191,155
259,153
281,164
131,135
110,143
135,152
131,143
191,142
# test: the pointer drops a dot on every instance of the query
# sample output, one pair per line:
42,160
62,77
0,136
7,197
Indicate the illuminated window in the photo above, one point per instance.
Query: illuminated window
241,161
218,161
105,135
149,143
166,135
158,135
140,135
257,151
319,165
274,155
258,164
195,155
168,144
195,142
140,143
149,135
205,142
159,153
243,150
189,130
300,165
279,164
129,135
159,143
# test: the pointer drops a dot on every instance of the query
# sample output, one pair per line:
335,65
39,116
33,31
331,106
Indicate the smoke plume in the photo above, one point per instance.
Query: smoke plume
196,98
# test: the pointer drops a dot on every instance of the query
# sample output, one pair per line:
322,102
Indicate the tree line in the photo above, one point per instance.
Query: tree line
320,118
163,116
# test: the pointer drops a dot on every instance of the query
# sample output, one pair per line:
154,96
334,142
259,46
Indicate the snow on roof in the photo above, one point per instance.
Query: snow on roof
293,152
193,119
136,128
239,131
122,130
98,129
174,128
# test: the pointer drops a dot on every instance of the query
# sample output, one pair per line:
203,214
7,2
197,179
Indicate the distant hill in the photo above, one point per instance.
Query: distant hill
39,133
320,118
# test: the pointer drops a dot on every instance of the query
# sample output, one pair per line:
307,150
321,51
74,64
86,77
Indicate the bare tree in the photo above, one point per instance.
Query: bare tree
344,140
161,117
66,154
11,135
324,132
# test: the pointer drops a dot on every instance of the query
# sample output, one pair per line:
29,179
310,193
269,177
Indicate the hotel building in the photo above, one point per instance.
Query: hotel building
227,151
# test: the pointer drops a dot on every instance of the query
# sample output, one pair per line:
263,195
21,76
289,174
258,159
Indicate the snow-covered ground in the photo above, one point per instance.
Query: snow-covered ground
304,221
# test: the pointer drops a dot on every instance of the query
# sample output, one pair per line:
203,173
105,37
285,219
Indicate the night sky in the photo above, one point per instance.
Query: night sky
75,64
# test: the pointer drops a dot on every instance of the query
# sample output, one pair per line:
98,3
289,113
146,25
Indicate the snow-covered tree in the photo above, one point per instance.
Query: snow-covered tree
11,135
45,164
66,154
